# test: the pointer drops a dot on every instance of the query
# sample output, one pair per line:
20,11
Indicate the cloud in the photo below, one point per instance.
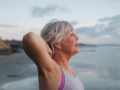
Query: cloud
115,20
112,28
4,25
48,10
112,20
105,37
104,19
74,22
34,29
103,32
93,32
113,0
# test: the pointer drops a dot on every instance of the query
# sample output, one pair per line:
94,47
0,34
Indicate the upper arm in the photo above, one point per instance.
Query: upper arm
35,48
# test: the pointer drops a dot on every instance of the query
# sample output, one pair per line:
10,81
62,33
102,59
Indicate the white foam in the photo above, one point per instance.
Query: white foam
25,84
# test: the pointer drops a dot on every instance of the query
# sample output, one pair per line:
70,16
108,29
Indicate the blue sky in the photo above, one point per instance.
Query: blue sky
94,21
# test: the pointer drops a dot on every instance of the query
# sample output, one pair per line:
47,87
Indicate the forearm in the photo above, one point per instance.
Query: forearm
35,47
31,43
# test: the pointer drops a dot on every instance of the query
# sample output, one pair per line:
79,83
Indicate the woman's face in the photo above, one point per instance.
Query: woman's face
70,44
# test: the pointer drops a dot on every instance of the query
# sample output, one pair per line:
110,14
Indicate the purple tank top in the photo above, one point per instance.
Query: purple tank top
63,81
70,83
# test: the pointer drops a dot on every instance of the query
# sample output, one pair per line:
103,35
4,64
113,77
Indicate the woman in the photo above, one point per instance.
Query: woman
51,53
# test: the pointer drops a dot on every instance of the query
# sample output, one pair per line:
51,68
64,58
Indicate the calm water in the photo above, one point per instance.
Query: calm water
97,67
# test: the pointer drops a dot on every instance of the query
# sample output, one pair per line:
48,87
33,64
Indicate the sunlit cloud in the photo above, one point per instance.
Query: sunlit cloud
105,37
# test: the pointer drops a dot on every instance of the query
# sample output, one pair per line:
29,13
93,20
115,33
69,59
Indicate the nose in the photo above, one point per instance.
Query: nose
76,37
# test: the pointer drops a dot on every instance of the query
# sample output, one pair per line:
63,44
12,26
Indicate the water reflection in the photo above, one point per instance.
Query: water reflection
97,77
87,50
102,72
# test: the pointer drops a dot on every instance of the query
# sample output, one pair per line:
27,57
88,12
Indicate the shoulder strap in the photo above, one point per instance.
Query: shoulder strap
63,81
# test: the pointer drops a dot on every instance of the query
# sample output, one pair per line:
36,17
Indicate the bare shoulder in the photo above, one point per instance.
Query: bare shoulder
30,37
53,80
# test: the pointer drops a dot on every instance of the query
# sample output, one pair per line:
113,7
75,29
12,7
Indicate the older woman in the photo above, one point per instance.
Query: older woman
51,53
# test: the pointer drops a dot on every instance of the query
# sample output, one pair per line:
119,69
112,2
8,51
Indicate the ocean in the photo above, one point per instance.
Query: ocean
98,68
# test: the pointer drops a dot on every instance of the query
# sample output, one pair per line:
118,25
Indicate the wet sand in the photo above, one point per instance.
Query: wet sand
18,71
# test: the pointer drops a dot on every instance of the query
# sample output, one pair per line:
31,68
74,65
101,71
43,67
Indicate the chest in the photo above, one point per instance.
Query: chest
72,83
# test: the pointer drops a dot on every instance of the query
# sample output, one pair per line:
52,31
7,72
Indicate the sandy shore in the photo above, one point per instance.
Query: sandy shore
18,72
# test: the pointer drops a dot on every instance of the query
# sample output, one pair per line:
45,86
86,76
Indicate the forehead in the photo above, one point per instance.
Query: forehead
69,31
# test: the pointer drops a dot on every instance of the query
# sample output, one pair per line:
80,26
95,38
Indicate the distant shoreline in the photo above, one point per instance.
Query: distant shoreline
12,51
16,46
86,45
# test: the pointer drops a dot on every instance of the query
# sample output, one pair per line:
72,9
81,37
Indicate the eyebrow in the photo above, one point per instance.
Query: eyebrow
71,30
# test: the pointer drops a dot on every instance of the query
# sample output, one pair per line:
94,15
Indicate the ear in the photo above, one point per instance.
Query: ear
57,46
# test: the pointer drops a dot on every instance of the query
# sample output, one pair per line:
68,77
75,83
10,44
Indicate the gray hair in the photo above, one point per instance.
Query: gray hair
54,30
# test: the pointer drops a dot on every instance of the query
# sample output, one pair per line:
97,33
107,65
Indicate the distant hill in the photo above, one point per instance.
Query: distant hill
108,44
86,45
10,46
14,44
3,46
18,44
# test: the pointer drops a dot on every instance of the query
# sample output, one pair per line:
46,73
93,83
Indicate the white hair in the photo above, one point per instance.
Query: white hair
54,30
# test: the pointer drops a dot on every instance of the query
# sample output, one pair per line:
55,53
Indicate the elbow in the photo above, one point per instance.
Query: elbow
27,38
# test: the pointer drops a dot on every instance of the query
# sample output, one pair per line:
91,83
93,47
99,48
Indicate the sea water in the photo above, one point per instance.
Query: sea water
97,67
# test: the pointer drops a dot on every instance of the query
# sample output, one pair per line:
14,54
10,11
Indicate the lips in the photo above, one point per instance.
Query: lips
76,44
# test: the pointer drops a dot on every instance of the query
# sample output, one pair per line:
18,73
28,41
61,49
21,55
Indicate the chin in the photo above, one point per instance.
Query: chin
77,51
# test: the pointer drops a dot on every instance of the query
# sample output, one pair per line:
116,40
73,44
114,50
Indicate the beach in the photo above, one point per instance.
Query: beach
17,72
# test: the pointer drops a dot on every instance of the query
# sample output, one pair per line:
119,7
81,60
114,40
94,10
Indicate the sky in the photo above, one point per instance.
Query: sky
94,21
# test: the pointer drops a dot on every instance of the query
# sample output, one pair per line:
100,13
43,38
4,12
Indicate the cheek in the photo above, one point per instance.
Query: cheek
71,43
72,40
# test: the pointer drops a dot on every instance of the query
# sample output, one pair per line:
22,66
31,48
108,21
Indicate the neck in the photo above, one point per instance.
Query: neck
62,59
